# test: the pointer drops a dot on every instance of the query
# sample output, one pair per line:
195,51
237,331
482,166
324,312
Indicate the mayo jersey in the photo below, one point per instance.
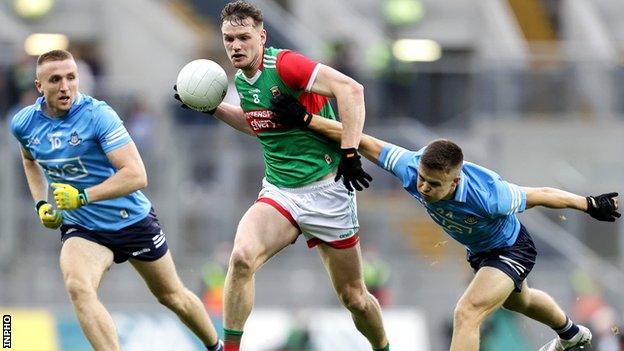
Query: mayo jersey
293,157
481,214
72,149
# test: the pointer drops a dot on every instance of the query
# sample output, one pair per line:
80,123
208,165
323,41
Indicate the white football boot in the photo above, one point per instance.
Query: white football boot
582,338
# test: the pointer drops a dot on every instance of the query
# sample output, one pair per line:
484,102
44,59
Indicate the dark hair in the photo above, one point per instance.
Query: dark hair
442,155
54,55
236,12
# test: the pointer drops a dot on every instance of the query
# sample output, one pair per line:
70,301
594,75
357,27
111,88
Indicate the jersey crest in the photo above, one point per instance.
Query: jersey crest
74,139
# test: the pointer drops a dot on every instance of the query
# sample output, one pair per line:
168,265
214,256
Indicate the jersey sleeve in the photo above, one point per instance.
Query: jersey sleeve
400,162
17,127
296,70
505,199
110,130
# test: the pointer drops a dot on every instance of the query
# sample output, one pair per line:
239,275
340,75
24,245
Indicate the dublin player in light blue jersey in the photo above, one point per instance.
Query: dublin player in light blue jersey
80,146
477,208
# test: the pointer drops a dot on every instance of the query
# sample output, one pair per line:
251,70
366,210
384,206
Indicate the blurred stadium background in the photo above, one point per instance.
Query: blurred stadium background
531,88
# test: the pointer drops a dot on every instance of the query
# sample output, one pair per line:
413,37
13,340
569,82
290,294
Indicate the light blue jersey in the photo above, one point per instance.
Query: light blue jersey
72,149
481,214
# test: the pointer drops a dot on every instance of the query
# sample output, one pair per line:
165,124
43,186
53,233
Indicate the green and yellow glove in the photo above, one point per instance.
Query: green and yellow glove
69,198
49,217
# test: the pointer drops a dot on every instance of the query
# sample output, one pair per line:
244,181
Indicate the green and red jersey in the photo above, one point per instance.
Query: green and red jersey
293,157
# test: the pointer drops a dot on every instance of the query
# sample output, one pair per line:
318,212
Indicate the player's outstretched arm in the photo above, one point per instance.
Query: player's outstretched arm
370,147
601,207
290,112
228,113
233,116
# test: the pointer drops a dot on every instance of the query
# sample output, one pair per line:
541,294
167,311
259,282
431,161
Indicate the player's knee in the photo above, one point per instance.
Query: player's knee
242,262
467,312
355,300
175,301
79,290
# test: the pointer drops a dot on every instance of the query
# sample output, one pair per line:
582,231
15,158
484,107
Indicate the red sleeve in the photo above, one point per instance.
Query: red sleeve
295,69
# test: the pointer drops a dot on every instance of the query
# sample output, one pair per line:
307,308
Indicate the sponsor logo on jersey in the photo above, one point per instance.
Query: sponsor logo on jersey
275,91
447,221
260,120
63,169
74,139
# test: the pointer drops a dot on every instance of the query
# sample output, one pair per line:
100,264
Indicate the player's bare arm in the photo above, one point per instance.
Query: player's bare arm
234,116
350,96
34,175
289,111
38,186
602,207
370,147
130,175
554,198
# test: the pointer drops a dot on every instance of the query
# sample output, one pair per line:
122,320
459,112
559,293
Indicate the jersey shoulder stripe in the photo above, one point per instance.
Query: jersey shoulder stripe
116,135
516,201
394,154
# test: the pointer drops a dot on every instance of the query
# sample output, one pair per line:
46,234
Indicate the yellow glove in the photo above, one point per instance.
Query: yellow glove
69,198
50,218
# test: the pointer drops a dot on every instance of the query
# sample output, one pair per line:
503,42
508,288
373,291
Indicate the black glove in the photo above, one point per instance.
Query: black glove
183,105
350,169
288,111
603,207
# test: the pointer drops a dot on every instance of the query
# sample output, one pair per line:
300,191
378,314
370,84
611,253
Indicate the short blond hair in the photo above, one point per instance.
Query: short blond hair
54,55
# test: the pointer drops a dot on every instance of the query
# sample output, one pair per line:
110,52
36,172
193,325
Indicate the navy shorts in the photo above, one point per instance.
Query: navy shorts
143,240
516,260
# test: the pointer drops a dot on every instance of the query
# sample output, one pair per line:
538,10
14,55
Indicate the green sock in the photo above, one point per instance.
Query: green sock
232,339
385,348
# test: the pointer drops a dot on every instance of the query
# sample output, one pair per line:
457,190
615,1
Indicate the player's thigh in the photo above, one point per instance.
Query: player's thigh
160,275
518,300
487,291
262,232
343,265
84,261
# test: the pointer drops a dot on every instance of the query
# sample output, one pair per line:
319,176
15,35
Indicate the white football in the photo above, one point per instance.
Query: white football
202,84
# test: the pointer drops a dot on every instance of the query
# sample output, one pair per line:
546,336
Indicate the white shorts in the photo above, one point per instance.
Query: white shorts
324,211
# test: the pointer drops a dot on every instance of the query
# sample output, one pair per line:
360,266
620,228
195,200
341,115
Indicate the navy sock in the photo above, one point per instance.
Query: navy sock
568,330
216,347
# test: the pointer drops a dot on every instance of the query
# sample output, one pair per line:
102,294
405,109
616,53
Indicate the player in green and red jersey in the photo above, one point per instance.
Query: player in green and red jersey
300,193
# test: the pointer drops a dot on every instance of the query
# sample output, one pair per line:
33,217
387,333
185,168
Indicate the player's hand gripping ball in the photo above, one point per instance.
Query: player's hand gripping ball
201,85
